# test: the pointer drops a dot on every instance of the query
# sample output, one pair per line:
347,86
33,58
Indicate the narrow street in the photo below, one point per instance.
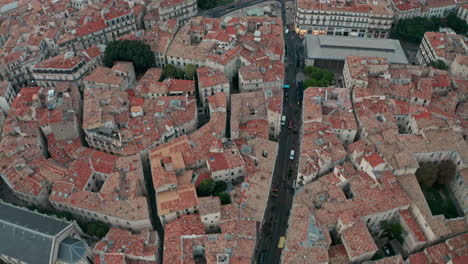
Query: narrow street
278,208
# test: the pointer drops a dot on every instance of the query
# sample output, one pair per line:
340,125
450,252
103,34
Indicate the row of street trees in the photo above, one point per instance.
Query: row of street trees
413,29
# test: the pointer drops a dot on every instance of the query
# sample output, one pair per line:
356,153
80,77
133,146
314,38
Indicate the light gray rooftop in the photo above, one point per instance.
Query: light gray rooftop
322,47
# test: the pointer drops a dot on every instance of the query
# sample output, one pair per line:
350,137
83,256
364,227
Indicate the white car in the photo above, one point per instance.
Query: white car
283,120
291,155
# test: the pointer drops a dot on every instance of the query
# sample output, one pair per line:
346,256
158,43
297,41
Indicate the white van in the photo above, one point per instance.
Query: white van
283,120
291,155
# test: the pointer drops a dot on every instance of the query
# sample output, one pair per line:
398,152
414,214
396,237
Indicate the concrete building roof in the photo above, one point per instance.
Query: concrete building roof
338,48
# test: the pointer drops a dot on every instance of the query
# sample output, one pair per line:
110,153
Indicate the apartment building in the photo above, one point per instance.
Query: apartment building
67,67
450,251
204,42
261,74
210,213
103,26
182,10
150,87
225,162
186,241
404,9
7,95
16,66
463,12
256,114
49,240
117,183
59,119
118,78
459,66
210,82
369,19
441,46
120,246
119,123
356,224
331,106
172,167
438,8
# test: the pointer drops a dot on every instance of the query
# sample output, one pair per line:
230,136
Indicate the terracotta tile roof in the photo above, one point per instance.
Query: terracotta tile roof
186,225
183,197
357,240
208,77
209,205
320,203
60,62
140,246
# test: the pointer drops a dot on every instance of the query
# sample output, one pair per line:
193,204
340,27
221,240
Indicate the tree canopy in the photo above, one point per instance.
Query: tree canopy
129,50
413,29
191,71
428,173
318,77
208,4
206,187
439,64
97,228
171,71
225,198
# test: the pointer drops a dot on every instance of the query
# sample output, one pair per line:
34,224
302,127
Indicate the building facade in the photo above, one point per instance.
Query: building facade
369,19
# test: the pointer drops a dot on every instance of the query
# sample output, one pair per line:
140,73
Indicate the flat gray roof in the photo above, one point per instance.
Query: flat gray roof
323,47
26,235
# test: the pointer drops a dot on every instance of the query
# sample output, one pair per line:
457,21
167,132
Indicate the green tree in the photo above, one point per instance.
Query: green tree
97,228
438,64
318,77
129,50
395,230
413,29
208,4
225,198
455,23
206,187
427,174
219,188
447,170
190,71
173,72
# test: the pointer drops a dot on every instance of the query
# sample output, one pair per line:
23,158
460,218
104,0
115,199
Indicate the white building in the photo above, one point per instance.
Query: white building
210,213
441,46
7,95
370,19
180,9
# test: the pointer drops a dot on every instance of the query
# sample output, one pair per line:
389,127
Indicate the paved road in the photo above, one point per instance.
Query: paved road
223,10
277,213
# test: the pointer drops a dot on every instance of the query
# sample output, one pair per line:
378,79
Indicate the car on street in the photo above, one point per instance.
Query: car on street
290,124
283,120
291,155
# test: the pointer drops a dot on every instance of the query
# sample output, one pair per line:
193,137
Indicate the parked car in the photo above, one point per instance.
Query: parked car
291,155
